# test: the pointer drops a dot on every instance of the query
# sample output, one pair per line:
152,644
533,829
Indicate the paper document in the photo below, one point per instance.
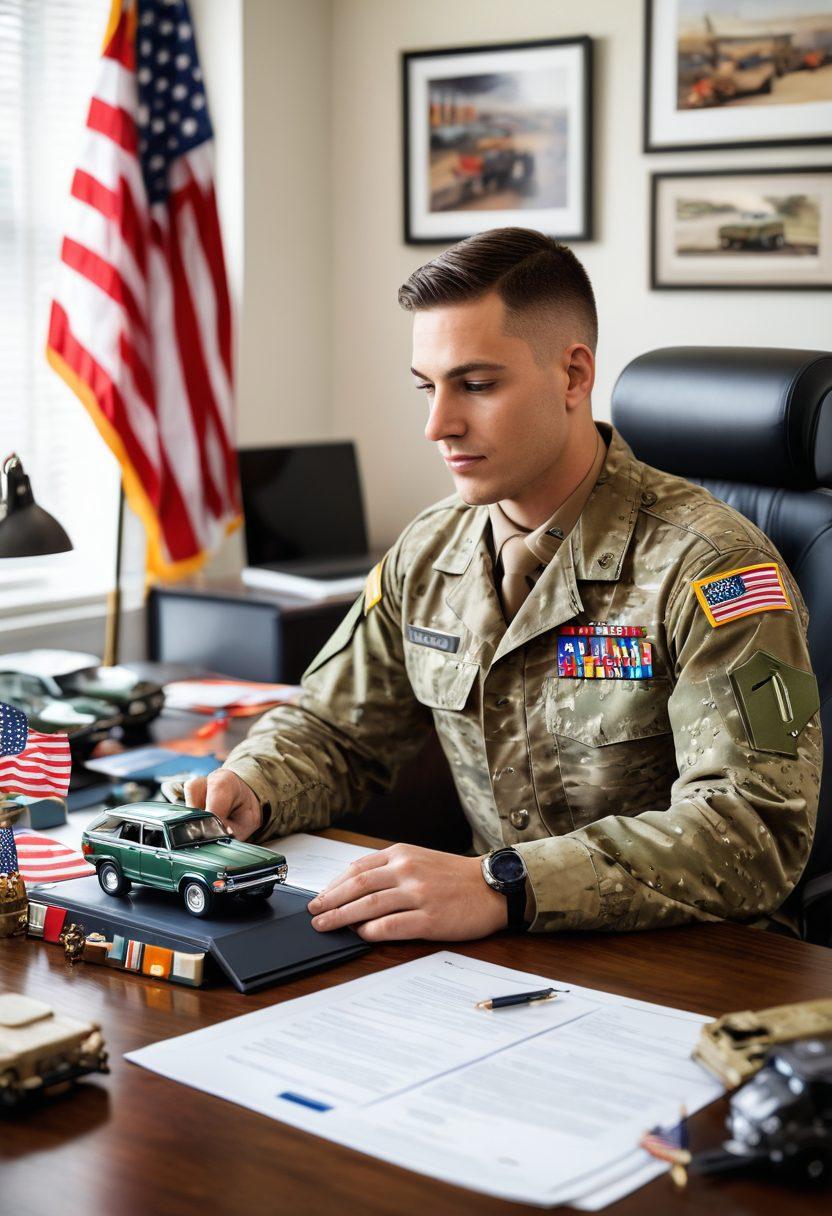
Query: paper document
49,662
151,763
539,1103
314,861
209,694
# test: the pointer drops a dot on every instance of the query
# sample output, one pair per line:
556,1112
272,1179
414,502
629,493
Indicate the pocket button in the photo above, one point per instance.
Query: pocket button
519,819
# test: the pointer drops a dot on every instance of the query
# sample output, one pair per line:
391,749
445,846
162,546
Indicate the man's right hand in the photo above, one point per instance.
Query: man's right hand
228,797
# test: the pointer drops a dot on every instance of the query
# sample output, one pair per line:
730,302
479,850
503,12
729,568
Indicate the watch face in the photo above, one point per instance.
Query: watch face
507,866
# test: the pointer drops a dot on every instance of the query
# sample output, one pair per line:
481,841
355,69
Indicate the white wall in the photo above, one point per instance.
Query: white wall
267,74
324,347
371,392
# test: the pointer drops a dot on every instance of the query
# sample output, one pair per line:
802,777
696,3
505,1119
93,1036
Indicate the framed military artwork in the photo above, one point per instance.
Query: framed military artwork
718,74
497,136
752,228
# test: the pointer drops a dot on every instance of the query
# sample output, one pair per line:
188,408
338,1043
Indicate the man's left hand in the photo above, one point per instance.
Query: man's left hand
408,892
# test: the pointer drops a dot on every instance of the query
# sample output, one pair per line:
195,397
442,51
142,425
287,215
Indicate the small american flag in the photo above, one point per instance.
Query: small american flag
140,327
42,859
8,854
30,762
737,593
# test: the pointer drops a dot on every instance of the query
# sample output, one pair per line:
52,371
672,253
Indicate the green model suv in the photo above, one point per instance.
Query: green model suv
177,848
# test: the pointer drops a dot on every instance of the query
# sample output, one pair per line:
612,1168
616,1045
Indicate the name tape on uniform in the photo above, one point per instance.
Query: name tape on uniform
623,657
736,593
434,638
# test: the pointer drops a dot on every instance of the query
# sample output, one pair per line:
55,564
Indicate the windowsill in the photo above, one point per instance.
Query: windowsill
19,610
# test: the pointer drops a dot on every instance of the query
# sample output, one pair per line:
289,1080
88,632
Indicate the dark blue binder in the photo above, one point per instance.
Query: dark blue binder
254,943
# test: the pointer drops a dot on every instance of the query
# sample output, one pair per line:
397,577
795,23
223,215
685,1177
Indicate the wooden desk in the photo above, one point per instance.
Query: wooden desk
134,1142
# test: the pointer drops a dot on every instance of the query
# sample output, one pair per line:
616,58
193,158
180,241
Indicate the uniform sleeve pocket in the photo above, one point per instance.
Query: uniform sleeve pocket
438,680
599,712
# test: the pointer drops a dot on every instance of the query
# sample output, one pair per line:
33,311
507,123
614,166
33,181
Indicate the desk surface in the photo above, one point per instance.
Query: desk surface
133,1142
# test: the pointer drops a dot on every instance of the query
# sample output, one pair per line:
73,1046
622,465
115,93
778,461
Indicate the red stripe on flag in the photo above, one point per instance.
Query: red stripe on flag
194,372
114,205
204,214
105,392
173,517
138,370
204,204
121,46
756,597
105,276
113,122
43,859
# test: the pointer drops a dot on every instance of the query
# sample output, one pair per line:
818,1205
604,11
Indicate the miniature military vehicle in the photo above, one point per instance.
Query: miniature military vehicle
138,701
735,1045
41,1049
177,848
85,720
782,1118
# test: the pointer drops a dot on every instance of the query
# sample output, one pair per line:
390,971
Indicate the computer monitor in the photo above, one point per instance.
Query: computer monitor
302,501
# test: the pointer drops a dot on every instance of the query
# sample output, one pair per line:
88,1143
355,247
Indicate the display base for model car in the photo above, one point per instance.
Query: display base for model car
254,942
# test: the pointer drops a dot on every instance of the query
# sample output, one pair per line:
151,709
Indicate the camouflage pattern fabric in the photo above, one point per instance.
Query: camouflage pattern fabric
635,803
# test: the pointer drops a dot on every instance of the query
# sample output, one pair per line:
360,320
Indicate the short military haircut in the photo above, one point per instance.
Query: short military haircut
545,289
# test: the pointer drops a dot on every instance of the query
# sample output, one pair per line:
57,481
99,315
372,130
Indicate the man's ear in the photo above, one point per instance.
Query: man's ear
580,369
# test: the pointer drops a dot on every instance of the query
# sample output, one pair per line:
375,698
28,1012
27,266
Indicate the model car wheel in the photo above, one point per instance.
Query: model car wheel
197,898
111,879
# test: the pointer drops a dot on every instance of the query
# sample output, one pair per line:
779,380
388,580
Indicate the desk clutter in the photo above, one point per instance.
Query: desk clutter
52,924
252,944
124,953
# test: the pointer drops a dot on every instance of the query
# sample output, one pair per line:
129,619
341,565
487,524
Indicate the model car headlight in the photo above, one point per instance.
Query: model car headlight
219,884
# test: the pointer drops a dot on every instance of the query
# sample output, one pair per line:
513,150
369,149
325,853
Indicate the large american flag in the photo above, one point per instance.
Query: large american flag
30,762
742,592
140,326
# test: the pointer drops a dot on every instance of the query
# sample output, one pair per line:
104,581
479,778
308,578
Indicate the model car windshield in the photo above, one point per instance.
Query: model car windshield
196,831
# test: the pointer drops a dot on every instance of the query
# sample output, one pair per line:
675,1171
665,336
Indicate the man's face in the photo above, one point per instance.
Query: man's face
498,417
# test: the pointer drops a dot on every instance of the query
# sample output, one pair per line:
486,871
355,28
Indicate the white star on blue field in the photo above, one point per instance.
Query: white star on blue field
173,114
725,589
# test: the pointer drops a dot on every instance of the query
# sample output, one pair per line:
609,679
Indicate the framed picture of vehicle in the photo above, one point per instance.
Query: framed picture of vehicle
723,74
496,136
752,228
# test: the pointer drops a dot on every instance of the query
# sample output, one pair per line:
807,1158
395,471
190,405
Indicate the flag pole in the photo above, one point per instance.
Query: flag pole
114,596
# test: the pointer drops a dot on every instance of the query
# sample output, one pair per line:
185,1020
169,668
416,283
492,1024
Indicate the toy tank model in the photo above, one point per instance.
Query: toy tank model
41,1049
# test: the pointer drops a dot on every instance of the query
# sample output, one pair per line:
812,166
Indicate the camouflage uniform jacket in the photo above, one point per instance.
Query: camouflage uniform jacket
634,802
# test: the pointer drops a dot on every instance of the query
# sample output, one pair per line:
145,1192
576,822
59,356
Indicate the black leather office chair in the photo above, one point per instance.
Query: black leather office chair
754,426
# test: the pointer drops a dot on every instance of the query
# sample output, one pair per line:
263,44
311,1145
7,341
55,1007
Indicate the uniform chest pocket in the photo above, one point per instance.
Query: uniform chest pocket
440,681
599,712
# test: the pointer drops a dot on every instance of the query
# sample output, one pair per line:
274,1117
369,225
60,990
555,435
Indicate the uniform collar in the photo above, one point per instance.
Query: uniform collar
456,556
596,551
604,531
544,541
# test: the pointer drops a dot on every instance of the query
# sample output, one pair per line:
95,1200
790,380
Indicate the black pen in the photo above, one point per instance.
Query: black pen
520,998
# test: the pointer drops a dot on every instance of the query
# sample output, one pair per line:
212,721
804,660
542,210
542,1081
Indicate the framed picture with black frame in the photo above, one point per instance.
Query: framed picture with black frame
724,75
742,229
498,136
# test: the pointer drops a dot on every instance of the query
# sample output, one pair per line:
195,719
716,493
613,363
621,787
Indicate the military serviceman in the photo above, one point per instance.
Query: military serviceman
615,661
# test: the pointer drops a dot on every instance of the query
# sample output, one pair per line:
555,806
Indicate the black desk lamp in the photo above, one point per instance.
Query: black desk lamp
26,530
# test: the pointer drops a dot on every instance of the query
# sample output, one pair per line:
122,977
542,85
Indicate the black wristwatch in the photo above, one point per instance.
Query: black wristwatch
505,870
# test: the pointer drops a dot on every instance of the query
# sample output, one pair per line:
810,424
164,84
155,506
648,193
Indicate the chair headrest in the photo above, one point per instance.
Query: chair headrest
740,413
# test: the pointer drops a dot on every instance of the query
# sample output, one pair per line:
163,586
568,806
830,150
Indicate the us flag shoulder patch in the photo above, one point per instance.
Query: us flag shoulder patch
736,593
